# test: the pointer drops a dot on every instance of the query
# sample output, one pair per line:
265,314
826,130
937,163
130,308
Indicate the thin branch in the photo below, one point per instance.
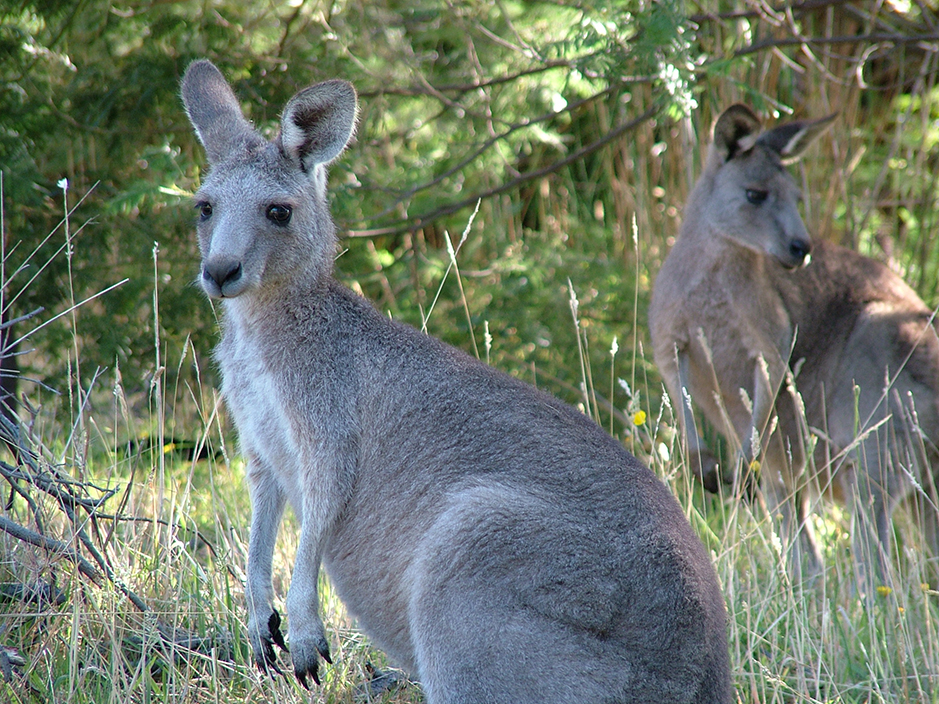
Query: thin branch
416,91
795,8
103,562
876,38
469,158
20,319
69,310
53,486
50,545
15,487
420,221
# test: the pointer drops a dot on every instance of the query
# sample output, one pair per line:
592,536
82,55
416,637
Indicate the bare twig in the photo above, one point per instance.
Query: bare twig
461,88
20,319
57,547
420,221
472,156
875,38
798,8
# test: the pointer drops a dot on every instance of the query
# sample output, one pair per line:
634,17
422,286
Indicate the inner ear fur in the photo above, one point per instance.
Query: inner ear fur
790,140
318,122
736,131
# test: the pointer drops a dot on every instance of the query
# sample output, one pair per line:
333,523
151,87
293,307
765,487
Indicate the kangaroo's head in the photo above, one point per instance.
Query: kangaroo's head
263,221
748,195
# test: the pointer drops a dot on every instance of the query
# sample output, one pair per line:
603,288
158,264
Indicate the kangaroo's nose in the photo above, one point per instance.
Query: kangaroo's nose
800,249
222,273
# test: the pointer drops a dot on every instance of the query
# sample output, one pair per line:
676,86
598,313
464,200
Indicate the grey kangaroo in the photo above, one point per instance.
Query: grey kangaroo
784,345
495,542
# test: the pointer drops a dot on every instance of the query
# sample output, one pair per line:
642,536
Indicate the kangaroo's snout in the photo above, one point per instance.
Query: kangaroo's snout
800,252
792,253
222,278
800,249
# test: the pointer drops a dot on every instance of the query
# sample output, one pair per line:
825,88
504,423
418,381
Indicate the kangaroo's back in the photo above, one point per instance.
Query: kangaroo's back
860,325
492,540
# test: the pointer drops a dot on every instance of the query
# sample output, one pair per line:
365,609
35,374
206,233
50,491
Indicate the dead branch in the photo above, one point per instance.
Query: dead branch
51,545
423,220
874,38
34,476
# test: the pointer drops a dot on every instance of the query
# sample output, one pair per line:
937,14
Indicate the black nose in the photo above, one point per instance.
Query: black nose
800,249
222,274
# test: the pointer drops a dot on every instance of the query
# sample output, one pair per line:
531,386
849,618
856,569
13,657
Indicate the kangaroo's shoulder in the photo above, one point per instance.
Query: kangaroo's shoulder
850,281
408,371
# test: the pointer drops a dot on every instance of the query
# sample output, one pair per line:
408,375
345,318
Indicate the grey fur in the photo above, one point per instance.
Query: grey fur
740,319
490,539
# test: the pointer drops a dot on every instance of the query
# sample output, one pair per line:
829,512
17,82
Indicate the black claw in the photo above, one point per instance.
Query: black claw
269,664
323,648
301,676
273,624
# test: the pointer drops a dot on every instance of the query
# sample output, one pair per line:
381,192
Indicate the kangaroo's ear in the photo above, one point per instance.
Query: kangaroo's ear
214,111
736,131
318,123
791,139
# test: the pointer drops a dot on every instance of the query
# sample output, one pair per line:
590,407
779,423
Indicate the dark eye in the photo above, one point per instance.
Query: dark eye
205,210
756,197
279,214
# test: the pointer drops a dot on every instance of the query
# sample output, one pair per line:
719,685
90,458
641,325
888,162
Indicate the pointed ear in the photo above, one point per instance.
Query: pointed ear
736,131
318,123
214,111
793,138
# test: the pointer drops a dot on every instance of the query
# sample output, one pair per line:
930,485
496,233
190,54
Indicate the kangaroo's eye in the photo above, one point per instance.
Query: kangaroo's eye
279,214
756,197
205,210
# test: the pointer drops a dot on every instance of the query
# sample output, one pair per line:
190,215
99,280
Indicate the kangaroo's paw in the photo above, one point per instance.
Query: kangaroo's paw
263,641
306,654
705,467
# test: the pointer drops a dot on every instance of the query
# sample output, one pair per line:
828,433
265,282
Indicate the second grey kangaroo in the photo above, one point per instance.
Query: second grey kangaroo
781,343
493,541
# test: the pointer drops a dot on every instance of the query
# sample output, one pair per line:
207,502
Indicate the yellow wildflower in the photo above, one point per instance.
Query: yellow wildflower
639,418
884,590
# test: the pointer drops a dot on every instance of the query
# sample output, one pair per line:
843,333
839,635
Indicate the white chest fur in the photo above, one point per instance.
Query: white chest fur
254,397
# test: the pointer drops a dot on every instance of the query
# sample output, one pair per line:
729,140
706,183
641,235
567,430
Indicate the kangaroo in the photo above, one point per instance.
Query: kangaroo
490,539
785,344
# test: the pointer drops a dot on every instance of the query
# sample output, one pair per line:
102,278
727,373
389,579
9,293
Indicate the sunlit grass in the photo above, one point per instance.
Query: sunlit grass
181,544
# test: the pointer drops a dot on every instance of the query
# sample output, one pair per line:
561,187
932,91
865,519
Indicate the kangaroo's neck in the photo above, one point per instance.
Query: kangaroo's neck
281,310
